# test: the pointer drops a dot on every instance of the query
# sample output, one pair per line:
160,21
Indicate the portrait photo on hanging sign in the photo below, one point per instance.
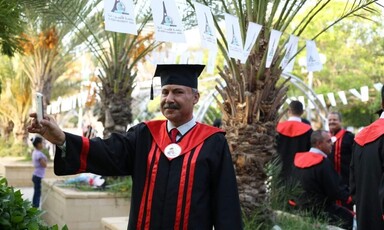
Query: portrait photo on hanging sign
119,16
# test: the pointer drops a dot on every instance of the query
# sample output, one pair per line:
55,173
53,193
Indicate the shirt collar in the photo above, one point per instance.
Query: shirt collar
294,118
184,128
317,151
382,115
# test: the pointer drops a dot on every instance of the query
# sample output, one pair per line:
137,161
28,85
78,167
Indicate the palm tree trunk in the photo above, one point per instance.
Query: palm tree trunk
116,112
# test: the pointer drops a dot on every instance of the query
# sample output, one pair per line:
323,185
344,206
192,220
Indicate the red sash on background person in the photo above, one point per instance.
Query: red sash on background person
337,154
337,158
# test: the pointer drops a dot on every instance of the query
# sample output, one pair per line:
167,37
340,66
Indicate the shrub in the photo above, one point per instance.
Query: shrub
17,213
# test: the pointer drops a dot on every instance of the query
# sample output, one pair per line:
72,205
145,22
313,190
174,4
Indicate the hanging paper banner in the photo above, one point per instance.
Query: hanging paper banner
252,34
211,65
313,57
290,51
206,26
331,98
119,16
272,46
168,25
235,43
321,99
343,97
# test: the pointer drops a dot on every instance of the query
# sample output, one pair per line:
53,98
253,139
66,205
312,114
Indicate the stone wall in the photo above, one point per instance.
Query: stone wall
79,210
19,173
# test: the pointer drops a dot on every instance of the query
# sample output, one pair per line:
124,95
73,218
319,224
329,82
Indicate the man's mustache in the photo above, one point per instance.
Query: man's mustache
171,106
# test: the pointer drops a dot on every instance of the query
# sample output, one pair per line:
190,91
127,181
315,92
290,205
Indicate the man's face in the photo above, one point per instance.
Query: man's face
334,122
177,103
326,144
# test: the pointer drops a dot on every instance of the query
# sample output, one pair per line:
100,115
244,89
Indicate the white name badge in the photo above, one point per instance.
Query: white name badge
172,150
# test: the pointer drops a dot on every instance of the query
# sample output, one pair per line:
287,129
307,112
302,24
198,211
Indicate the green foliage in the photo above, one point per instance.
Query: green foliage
17,213
10,148
11,25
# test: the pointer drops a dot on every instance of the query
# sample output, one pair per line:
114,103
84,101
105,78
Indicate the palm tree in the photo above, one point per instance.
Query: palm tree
253,94
117,56
11,24
15,99
46,54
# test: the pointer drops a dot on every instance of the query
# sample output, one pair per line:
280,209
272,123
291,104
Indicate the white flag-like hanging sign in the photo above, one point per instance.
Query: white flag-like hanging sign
313,57
168,25
119,16
206,26
252,34
272,46
235,43
290,51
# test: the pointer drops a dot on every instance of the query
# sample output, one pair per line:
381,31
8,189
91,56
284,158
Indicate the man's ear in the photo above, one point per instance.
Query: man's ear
196,98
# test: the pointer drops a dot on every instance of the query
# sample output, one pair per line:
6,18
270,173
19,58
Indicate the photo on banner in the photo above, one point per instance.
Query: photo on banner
313,57
252,34
272,46
233,36
206,26
290,53
167,20
119,16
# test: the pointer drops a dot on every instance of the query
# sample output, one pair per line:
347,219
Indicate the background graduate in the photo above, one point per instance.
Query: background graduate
367,174
181,181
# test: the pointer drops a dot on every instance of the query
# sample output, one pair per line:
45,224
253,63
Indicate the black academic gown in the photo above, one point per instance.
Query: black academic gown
341,157
341,154
366,176
321,187
293,137
196,190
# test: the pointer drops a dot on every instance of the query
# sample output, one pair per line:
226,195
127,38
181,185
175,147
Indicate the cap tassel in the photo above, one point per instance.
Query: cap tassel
151,95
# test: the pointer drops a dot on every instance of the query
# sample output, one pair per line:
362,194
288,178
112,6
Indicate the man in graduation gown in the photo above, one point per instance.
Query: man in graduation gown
293,136
320,184
341,150
367,174
184,180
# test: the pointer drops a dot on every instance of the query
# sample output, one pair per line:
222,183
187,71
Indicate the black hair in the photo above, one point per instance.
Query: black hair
36,140
382,94
296,108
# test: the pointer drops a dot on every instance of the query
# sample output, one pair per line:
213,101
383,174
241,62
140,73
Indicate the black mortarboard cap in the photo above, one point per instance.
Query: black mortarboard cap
178,74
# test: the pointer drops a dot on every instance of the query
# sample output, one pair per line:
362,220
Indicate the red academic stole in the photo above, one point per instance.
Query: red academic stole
192,140
370,133
292,128
337,154
307,159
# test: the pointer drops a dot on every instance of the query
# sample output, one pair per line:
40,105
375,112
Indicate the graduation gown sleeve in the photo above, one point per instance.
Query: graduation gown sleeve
110,157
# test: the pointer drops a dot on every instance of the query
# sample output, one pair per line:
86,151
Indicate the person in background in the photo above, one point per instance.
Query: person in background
341,150
320,183
39,161
367,174
182,171
293,136
217,123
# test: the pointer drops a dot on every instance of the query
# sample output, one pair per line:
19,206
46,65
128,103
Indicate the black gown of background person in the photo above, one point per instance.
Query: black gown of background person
341,157
196,190
321,187
366,175
293,137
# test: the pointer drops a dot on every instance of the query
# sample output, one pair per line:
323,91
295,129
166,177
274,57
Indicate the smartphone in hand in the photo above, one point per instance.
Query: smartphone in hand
39,106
